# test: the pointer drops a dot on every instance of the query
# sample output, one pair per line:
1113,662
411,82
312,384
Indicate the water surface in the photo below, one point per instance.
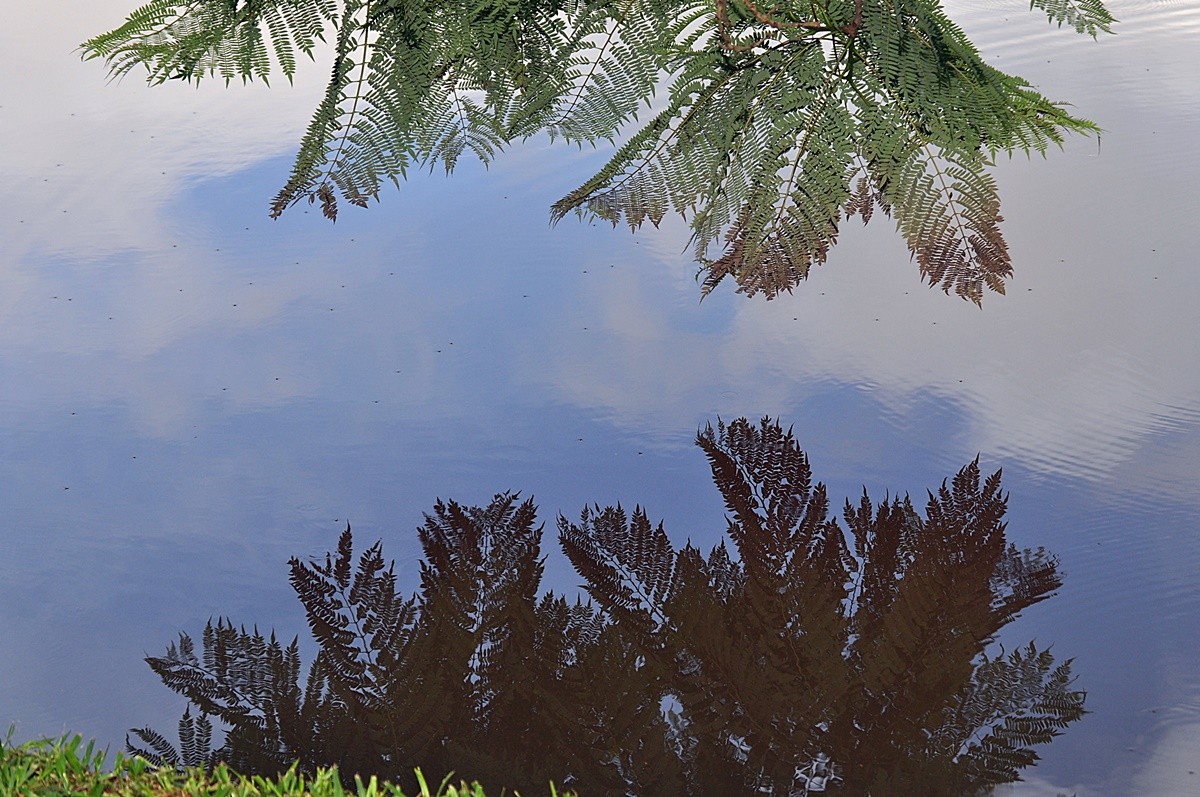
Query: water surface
191,393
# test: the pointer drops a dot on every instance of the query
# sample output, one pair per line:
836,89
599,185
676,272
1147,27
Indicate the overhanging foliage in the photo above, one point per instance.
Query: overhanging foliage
778,123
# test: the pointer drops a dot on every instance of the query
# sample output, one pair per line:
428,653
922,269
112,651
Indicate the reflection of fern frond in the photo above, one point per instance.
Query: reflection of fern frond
1014,702
323,589
481,573
727,673
245,680
159,751
614,738
628,565
779,517
195,740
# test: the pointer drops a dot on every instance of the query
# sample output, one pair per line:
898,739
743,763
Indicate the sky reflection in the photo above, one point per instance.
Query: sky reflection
178,373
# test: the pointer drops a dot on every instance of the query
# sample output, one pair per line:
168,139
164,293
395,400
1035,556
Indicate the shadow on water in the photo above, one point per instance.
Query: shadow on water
806,656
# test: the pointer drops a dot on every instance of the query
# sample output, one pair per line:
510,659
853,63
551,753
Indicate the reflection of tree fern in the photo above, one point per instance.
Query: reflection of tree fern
775,662
195,744
1014,702
863,653
630,563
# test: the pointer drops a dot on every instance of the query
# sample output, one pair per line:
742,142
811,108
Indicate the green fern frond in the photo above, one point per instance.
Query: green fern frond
348,124
1085,16
606,62
770,114
793,202
191,40
944,202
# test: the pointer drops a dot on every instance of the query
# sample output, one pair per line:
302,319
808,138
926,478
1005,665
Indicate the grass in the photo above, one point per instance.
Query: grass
66,767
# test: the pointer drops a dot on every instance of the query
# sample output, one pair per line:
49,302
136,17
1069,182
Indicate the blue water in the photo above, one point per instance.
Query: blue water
191,393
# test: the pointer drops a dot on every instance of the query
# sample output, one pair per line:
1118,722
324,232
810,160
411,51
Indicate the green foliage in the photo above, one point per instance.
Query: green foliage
58,766
805,654
1085,16
66,767
184,41
772,117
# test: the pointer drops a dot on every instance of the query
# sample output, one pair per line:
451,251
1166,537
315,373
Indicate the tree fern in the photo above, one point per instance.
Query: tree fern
772,113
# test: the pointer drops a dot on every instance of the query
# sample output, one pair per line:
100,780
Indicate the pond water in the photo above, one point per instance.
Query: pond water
191,393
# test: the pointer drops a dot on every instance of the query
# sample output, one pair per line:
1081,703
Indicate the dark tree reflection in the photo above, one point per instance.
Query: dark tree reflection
805,657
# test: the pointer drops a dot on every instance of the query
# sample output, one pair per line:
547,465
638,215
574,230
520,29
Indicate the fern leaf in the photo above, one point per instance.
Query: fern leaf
770,113
1085,16
191,40
945,204
195,740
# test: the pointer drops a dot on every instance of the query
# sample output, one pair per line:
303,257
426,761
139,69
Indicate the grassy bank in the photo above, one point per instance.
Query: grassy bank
67,767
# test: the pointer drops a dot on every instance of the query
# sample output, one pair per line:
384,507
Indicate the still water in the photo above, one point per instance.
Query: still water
190,393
